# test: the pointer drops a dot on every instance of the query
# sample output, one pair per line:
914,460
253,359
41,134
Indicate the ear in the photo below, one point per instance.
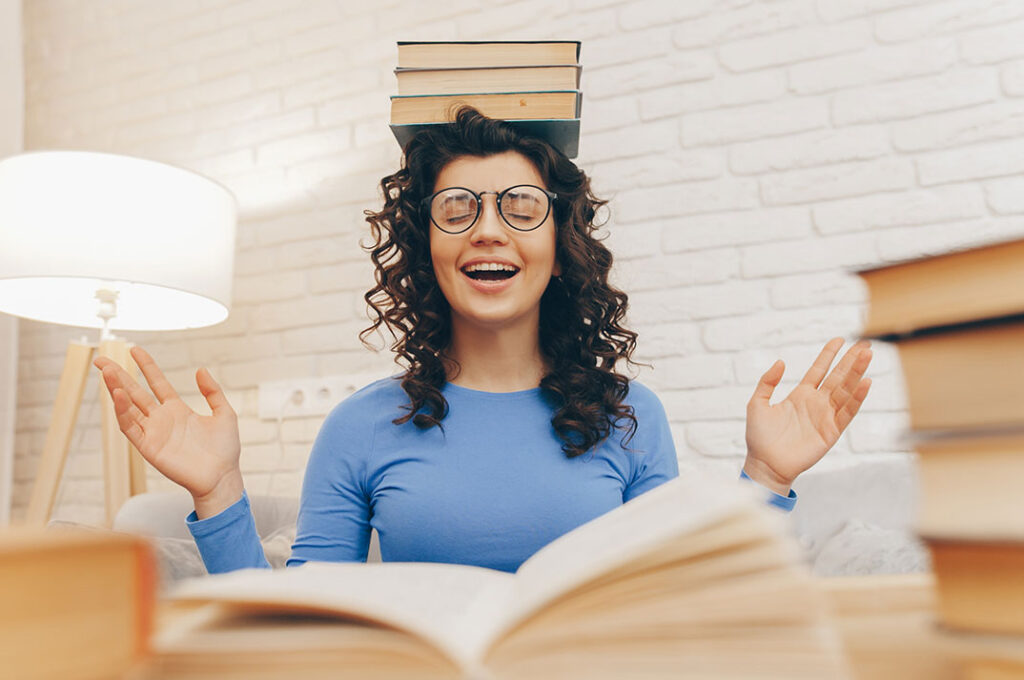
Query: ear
557,269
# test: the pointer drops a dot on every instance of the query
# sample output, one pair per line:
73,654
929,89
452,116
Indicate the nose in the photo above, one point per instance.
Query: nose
489,227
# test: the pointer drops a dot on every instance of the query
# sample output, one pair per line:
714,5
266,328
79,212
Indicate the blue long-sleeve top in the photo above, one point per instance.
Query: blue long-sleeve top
489,488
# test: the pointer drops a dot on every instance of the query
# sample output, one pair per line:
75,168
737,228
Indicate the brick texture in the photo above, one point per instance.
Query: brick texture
754,153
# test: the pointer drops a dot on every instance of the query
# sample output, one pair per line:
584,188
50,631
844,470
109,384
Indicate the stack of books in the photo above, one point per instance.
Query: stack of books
532,83
958,323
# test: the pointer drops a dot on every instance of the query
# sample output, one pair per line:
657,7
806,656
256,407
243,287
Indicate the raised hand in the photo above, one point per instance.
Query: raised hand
201,453
787,438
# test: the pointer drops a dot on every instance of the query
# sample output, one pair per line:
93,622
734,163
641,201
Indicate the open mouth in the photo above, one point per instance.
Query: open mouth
490,271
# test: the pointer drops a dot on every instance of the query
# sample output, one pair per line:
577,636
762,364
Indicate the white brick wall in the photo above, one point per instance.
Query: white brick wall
755,152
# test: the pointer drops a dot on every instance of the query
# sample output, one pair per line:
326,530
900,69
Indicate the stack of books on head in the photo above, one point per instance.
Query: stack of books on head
534,83
958,323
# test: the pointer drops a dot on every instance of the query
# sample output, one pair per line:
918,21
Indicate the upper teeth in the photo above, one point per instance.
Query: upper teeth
490,267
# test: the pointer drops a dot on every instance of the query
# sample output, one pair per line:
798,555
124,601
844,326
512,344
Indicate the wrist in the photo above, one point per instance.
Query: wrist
226,493
766,477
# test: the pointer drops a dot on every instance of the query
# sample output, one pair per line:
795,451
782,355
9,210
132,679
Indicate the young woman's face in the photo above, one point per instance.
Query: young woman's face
493,275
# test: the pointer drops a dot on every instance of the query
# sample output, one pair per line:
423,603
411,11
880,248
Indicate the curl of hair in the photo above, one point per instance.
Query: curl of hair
581,315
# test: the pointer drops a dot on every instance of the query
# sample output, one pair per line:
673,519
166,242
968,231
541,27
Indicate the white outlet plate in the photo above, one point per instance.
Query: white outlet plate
302,397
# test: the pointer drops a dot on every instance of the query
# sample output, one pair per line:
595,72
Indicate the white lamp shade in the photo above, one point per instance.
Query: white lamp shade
75,222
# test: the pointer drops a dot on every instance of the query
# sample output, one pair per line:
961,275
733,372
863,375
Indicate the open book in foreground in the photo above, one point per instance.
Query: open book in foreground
691,579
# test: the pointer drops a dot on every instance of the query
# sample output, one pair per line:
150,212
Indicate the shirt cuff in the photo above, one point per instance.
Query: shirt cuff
786,503
228,540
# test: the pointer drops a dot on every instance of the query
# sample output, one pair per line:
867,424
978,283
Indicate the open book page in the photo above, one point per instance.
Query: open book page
432,601
677,508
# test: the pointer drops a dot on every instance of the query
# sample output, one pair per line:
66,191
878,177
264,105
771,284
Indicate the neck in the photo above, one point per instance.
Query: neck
497,360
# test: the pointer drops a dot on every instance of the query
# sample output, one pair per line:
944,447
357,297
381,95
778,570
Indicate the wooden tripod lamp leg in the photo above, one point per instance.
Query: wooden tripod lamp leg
58,436
123,468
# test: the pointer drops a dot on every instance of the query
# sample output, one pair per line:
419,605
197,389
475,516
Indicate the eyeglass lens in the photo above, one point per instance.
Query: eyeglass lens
522,207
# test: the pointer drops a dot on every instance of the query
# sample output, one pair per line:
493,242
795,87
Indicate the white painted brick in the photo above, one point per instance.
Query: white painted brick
208,44
305,146
722,91
342,276
625,47
746,21
728,228
249,374
328,36
633,141
647,13
657,340
709,403
689,198
911,98
1005,196
328,308
820,147
873,66
358,361
895,245
718,439
698,302
317,339
795,45
658,170
282,285
688,372
888,393
678,67
490,19
837,181
951,16
753,122
751,364
300,430
303,254
873,432
256,431
293,226
807,255
606,114
349,109
838,10
817,290
633,241
998,120
248,347
585,26
679,271
992,45
880,211
979,161
781,327
1011,77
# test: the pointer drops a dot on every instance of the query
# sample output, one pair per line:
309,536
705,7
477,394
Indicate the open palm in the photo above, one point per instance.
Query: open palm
787,438
198,452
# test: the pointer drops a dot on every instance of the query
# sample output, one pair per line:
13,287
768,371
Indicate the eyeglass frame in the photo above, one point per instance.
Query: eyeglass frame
479,196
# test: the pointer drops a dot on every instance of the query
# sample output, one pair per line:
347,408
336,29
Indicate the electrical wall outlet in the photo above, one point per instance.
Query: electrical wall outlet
302,397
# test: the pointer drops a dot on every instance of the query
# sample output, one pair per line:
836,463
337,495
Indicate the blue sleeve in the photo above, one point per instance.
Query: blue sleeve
228,540
652,450
786,503
334,509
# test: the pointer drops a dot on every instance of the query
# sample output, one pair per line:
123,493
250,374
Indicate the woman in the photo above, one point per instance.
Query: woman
509,425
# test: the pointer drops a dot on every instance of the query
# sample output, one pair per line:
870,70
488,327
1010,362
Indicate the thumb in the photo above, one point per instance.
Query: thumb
213,393
768,382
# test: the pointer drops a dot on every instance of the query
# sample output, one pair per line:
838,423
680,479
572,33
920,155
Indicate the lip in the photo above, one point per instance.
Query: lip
490,287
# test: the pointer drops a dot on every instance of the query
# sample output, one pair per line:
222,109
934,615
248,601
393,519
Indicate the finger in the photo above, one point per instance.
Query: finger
129,417
852,405
842,392
154,376
213,393
116,377
816,373
842,371
768,382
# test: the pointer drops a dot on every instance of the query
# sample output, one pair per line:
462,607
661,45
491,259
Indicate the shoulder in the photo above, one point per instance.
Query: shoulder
643,399
362,409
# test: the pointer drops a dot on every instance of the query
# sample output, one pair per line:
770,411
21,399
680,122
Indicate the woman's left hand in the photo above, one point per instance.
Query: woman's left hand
789,437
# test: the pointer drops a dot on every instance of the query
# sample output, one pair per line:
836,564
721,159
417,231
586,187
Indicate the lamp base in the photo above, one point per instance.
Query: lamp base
123,468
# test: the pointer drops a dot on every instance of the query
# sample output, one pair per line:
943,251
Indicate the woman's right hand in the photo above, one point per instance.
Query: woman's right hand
201,453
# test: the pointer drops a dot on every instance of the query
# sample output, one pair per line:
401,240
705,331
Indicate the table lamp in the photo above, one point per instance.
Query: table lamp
115,243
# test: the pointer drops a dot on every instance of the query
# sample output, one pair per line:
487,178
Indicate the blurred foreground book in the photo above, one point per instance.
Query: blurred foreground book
74,605
957,321
689,580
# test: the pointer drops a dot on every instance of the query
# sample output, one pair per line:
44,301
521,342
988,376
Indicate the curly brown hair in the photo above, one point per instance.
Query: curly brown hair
581,313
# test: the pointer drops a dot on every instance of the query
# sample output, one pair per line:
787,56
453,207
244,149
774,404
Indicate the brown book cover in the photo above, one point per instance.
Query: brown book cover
980,584
970,486
415,81
948,289
562,104
442,54
965,377
76,605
